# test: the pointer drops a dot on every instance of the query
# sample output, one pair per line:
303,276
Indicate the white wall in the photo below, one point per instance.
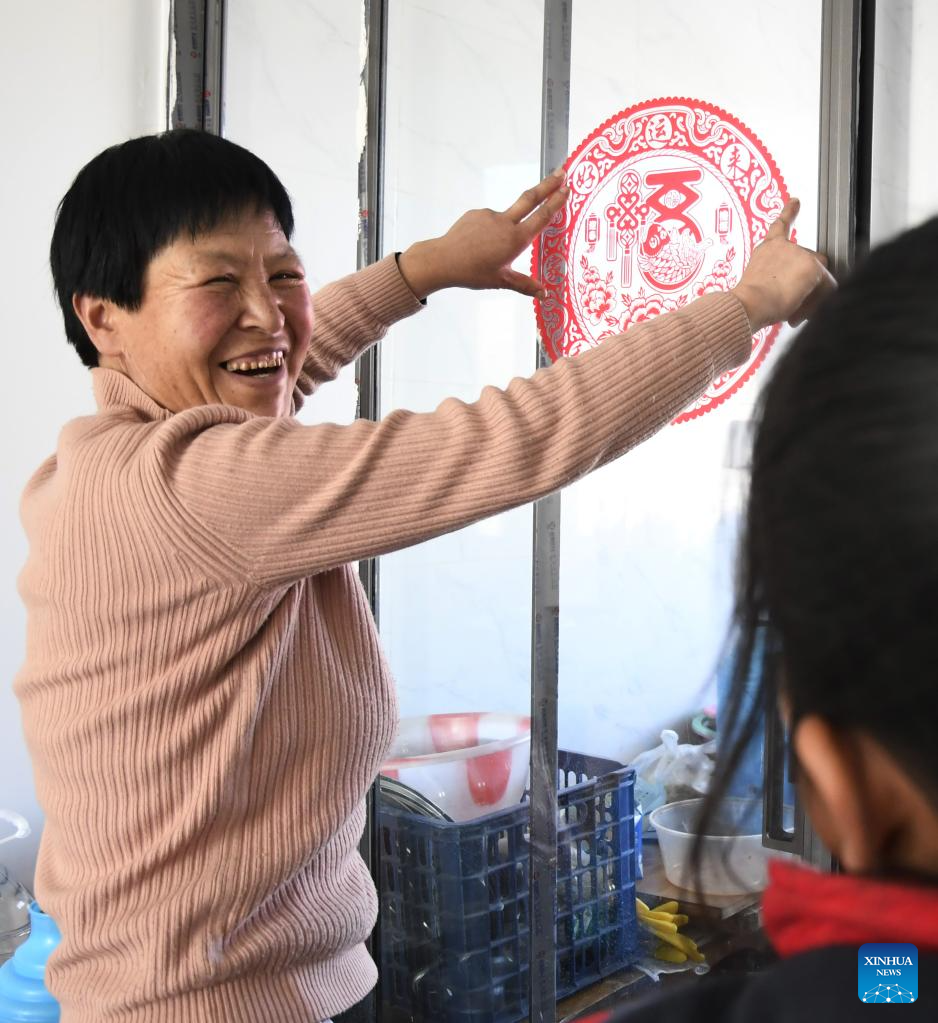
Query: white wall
78,75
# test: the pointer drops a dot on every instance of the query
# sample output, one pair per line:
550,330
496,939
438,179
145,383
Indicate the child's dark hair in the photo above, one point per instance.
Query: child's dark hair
137,197
839,554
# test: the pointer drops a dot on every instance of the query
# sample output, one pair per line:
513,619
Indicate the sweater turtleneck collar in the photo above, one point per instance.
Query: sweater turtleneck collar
114,389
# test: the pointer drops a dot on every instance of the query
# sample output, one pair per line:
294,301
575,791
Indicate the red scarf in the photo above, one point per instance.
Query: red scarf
803,909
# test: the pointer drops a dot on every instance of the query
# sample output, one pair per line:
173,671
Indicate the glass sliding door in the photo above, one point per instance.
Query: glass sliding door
462,131
730,100
690,148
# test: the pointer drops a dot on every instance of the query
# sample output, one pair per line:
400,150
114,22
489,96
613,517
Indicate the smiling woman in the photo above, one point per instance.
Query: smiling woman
204,692
226,318
170,291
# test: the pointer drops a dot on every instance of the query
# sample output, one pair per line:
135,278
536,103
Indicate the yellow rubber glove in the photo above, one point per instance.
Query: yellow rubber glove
663,921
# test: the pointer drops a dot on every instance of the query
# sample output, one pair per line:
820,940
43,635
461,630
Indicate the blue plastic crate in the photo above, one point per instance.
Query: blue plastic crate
455,902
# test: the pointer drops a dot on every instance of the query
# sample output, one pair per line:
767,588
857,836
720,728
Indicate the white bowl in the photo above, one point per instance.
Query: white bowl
733,859
467,764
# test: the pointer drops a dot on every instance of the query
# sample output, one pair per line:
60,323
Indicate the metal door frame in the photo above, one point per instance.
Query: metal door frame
368,369
195,67
848,29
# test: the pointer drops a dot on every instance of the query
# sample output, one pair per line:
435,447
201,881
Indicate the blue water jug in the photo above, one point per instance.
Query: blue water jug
23,995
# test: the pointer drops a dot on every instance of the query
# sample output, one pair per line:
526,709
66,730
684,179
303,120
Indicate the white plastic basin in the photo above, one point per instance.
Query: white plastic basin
467,764
733,860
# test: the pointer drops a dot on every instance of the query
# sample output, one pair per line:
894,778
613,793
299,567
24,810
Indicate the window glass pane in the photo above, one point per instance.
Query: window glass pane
463,131
291,96
647,542
905,148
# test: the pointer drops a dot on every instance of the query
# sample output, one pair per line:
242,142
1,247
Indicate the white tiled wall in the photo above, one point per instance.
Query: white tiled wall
65,97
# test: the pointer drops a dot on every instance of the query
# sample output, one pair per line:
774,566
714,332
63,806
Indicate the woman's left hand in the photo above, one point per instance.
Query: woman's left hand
478,250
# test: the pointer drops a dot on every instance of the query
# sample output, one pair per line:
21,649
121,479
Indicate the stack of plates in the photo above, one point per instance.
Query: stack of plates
402,797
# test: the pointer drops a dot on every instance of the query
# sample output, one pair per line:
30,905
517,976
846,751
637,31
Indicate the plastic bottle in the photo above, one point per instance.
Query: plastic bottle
14,914
14,898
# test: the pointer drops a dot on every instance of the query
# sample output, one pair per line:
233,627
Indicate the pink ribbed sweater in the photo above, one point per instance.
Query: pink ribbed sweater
204,693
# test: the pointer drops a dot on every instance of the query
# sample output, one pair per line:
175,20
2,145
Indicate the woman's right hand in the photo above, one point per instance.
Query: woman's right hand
783,281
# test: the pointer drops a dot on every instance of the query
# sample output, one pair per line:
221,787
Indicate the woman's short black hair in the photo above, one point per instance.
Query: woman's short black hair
134,199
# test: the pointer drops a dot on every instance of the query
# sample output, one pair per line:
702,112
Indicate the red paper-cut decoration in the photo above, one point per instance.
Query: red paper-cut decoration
667,201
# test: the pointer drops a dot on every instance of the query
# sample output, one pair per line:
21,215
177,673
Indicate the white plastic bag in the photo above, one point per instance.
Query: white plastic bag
20,825
669,770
